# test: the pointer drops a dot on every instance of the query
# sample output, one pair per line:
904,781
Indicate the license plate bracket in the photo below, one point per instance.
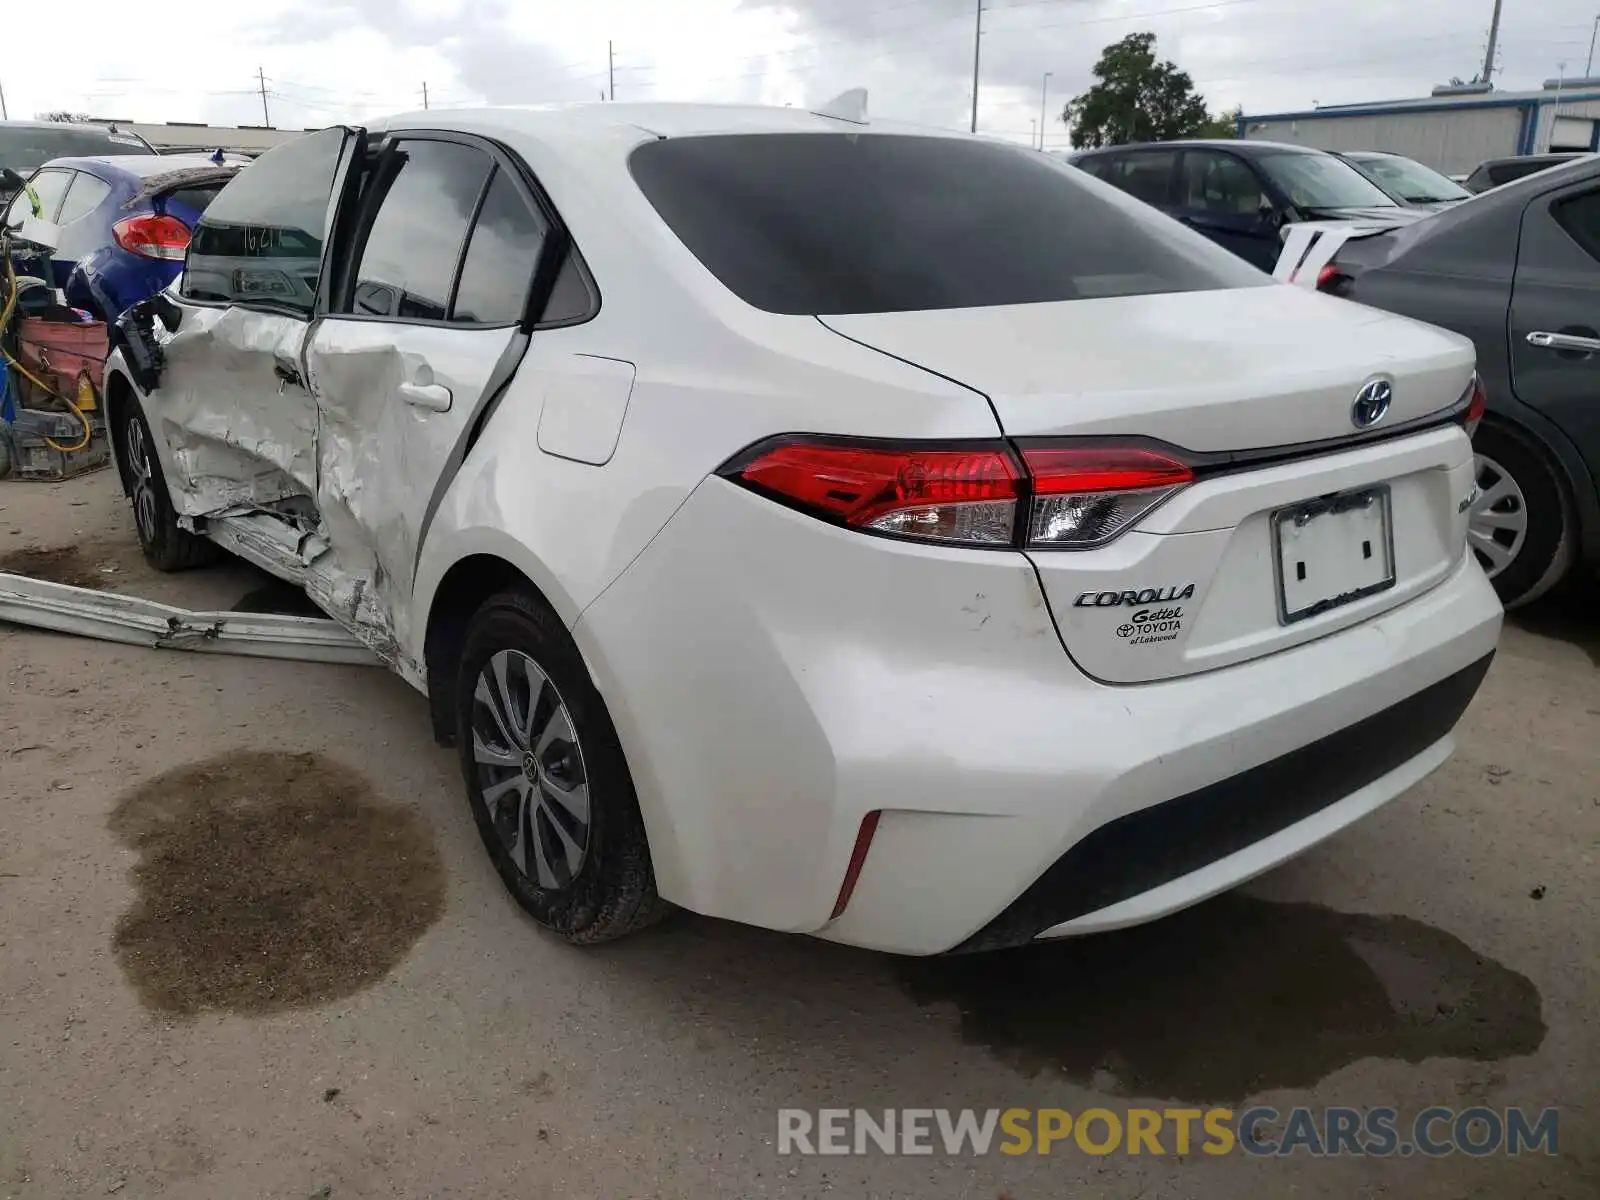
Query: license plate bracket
1332,551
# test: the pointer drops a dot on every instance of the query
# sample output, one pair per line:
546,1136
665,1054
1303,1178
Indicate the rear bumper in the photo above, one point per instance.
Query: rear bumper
774,680
1170,855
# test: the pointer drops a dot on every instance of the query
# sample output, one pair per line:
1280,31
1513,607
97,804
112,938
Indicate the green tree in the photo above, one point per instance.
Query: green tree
1224,125
1136,99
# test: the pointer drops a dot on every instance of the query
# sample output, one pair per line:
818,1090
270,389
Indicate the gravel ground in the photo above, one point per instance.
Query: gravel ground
174,1023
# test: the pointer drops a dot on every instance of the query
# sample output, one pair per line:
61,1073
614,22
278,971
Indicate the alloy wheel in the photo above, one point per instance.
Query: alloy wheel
144,491
530,770
1497,523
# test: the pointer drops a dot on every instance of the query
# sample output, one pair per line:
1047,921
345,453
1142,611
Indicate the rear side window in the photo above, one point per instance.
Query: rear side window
500,259
83,197
50,187
408,262
1146,175
1219,183
1580,217
853,223
261,238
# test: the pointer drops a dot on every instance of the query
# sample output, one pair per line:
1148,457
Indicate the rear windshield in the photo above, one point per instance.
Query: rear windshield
24,147
825,223
1507,171
196,198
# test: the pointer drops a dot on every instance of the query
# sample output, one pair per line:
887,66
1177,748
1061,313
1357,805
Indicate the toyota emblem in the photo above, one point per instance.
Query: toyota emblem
1372,403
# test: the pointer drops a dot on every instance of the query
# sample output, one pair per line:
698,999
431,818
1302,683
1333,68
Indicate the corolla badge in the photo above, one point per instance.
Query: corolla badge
1372,403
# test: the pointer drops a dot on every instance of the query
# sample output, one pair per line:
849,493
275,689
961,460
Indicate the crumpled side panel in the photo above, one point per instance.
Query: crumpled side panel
233,437
366,482
396,402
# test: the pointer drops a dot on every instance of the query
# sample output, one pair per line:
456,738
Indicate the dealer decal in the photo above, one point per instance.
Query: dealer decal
1152,625
1166,595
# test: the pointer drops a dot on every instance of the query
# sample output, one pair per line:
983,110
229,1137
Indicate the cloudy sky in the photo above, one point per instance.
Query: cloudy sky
339,60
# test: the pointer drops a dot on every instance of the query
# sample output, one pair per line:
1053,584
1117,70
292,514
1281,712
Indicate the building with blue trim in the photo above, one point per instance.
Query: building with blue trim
1453,130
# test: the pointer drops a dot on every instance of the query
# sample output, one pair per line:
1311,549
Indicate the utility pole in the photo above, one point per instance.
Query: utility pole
1588,69
1555,114
424,95
1044,93
1487,74
611,72
977,52
265,118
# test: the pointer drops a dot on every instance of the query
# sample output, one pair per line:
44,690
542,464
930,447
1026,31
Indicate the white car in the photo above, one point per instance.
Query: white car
896,537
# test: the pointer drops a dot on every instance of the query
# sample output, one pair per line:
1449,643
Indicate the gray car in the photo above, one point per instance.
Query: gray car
1407,180
1518,271
1500,171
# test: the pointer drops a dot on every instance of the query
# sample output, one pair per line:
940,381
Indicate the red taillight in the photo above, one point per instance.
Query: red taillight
952,495
1058,496
1332,280
1478,405
1058,469
154,235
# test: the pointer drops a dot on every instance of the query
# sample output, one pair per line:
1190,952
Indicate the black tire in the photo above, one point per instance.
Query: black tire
613,891
1545,551
166,547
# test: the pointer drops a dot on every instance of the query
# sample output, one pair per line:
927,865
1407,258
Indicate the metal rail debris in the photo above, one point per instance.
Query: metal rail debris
138,622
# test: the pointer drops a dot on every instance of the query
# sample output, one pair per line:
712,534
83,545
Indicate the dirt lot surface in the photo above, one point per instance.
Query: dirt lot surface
250,946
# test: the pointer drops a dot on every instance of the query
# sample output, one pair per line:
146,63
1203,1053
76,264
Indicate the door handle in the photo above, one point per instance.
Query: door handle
434,397
1564,341
287,373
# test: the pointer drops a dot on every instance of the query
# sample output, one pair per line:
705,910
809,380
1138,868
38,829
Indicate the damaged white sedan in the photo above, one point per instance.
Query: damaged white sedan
901,538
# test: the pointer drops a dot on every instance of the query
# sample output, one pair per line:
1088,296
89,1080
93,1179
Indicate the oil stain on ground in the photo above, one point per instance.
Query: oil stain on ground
270,881
71,565
1235,997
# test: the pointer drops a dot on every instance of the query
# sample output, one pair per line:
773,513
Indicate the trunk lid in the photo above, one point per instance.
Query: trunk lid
1248,559
1206,371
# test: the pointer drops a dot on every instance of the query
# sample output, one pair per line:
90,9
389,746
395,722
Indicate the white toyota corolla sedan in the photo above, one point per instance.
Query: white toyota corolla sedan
893,536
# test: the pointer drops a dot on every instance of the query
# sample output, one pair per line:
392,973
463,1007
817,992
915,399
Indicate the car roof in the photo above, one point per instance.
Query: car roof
1561,157
1236,144
138,166
80,126
660,120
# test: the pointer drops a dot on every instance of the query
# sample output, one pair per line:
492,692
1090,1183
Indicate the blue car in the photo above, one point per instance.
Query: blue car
124,222
1241,194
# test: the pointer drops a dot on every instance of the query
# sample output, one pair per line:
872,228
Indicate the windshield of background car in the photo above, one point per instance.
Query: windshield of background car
1314,181
825,223
22,148
1410,180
